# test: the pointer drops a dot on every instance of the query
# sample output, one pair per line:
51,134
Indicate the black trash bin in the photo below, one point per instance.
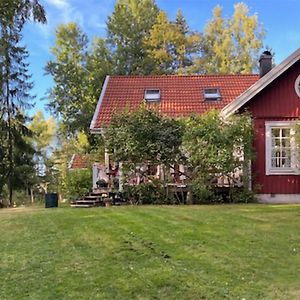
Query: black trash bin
51,200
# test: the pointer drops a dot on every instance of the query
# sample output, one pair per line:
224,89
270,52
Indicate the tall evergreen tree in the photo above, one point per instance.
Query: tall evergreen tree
187,45
23,172
3,155
127,27
15,80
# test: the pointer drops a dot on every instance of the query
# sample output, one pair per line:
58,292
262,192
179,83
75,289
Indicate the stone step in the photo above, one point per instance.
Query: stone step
100,191
82,205
88,201
92,197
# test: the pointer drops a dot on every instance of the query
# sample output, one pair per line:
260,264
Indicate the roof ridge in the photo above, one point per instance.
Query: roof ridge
183,75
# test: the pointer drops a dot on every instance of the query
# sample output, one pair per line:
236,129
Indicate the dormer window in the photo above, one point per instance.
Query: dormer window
152,95
212,94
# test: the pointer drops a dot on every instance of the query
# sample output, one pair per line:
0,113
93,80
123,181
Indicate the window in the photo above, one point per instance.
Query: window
152,95
297,86
280,148
212,94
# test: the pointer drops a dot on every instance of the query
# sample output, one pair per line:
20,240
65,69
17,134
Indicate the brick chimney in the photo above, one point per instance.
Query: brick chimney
265,63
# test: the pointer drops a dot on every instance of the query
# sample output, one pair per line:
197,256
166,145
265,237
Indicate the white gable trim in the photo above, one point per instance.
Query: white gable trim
71,161
93,129
258,86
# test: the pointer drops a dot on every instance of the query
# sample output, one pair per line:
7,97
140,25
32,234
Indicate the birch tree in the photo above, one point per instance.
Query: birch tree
231,45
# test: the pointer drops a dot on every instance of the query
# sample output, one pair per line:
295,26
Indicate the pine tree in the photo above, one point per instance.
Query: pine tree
15,81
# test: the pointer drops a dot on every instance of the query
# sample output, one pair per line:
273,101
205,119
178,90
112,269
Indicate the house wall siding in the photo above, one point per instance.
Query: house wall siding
269,184
278,102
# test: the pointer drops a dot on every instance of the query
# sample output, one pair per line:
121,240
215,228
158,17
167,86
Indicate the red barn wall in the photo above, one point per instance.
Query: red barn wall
277,102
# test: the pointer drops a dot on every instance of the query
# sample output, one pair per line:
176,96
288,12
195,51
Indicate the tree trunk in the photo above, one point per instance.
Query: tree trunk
10,141
8,108
31,195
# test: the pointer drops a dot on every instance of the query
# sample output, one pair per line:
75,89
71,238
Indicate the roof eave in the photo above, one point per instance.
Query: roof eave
93,128
71,162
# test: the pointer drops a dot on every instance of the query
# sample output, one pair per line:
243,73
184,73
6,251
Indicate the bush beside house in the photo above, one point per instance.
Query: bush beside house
209,147
78,183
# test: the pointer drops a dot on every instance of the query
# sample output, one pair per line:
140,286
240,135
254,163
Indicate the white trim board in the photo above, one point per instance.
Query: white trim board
259,85
98,107
71,162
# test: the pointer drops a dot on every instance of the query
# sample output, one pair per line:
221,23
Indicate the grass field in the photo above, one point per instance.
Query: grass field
151,252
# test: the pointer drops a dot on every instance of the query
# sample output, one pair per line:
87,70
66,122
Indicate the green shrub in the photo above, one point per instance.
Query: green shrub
242,195
19,197
208,194
147,193
78,183
204,194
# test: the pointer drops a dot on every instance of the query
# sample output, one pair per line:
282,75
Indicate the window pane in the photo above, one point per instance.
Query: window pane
275,142
275,132
285,132
275,162
276,153
286,142
286,153
286,162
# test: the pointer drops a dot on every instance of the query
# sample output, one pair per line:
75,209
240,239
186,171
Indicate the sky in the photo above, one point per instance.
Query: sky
280,19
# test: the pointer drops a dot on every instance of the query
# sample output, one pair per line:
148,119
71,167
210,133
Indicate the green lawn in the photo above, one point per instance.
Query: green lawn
151,252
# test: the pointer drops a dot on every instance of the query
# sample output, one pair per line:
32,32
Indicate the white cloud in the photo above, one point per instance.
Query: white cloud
58,3
61,11
57,12
89,15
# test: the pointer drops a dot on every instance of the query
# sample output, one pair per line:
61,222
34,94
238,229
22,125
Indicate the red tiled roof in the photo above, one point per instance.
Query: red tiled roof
78,162
179,95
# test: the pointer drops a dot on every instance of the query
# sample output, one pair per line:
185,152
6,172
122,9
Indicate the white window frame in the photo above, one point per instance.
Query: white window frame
293,169
152,97
210,96
297,86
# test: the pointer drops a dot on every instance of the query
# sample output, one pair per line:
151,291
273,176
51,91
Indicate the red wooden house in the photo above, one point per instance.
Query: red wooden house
274,102
273,98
